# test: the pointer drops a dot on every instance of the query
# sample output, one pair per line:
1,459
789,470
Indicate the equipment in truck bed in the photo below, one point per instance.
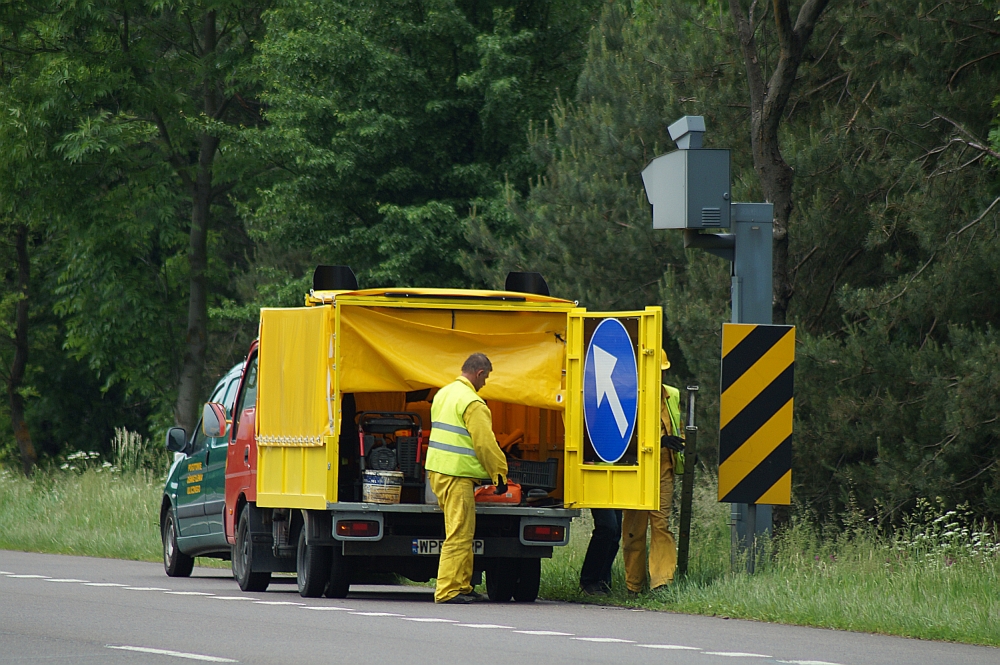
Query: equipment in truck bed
534,475
391,441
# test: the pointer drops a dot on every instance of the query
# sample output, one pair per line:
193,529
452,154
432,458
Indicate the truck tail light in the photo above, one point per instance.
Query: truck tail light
545,533
357,529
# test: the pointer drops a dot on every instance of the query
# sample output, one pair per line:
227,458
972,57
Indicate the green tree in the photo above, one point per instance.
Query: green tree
900,383
772,59
389,118
26,174
160,91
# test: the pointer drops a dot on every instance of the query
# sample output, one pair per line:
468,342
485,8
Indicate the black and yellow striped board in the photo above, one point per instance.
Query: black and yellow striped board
755,413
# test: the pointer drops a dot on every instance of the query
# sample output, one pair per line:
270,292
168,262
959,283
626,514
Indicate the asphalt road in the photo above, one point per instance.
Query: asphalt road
82,610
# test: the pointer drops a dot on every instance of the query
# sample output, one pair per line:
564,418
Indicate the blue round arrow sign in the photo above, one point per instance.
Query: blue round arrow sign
610,390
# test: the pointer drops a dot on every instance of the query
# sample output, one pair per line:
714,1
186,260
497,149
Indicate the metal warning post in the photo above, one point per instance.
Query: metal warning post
755,414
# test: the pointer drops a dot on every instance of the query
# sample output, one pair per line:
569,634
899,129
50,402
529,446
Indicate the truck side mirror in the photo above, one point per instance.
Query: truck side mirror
213,420
176,439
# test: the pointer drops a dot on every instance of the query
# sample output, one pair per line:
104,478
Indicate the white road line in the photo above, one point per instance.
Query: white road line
429,620
6,572
329,609
668,646
609,640
377,614
65,579
104,584
483,625
189,593
230,598
276,602
544,632
29,577
734,654
175,654
144,588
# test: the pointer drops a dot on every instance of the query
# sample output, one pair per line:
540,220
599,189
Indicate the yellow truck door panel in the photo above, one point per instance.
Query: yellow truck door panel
295,416
612,409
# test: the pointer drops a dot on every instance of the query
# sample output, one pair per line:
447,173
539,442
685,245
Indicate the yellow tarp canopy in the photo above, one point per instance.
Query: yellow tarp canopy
385,349
296,349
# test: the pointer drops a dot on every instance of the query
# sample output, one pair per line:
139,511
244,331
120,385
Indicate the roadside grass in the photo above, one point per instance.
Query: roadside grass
937,577
91,512
87,506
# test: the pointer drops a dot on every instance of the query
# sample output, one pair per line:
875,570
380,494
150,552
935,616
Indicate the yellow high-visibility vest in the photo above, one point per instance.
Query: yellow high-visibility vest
449,447
671,419
670,423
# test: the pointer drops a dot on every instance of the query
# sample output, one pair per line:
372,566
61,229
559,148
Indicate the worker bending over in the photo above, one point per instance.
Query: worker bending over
462,450
662,548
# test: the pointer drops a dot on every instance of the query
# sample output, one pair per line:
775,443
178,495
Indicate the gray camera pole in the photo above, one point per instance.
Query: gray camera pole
748,248
687,489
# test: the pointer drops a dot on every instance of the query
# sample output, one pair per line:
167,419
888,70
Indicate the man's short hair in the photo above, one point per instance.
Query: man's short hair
475,363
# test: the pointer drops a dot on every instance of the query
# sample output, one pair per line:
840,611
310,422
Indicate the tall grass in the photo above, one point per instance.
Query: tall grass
87,505
91,511
935,577
132,452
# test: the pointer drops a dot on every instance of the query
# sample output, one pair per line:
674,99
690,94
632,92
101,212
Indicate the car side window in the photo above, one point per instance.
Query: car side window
231,395
249,395
199,439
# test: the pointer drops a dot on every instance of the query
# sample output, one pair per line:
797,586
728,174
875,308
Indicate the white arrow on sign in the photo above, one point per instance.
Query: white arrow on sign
604,365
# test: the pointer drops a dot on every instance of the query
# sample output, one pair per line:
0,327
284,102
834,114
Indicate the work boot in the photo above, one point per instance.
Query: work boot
465,599
594,589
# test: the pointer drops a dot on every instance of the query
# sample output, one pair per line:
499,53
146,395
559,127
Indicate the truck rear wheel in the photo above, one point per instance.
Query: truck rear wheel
242,560
501,580
340,579
526,590
312,567
175,562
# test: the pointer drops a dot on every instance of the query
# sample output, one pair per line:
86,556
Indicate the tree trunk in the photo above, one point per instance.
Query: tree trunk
189,389
768,100
21,433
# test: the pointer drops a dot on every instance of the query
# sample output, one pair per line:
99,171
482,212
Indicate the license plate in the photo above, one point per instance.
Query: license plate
432,547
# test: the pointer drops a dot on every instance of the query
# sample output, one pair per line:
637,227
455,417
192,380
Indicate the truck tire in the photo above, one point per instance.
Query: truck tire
242,561
501,580
526,590
175,562
312,567
340,579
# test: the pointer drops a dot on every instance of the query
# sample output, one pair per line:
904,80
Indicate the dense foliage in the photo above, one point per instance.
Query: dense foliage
443,143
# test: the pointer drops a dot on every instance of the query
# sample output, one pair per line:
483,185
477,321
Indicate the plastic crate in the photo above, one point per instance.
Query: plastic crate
532,475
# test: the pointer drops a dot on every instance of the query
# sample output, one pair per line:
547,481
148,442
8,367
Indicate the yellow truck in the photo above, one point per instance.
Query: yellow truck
340,400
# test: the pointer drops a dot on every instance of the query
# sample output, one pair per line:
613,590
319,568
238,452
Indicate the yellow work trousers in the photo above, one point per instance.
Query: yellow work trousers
457,501
662,546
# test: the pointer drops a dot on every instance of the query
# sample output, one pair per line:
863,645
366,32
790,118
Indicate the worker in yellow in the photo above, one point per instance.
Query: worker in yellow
662,547
461,451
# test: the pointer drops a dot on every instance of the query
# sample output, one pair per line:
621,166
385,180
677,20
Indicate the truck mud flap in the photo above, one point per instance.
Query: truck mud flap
262,541
319,527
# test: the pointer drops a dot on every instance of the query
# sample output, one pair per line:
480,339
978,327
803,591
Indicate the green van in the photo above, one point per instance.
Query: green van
193,503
